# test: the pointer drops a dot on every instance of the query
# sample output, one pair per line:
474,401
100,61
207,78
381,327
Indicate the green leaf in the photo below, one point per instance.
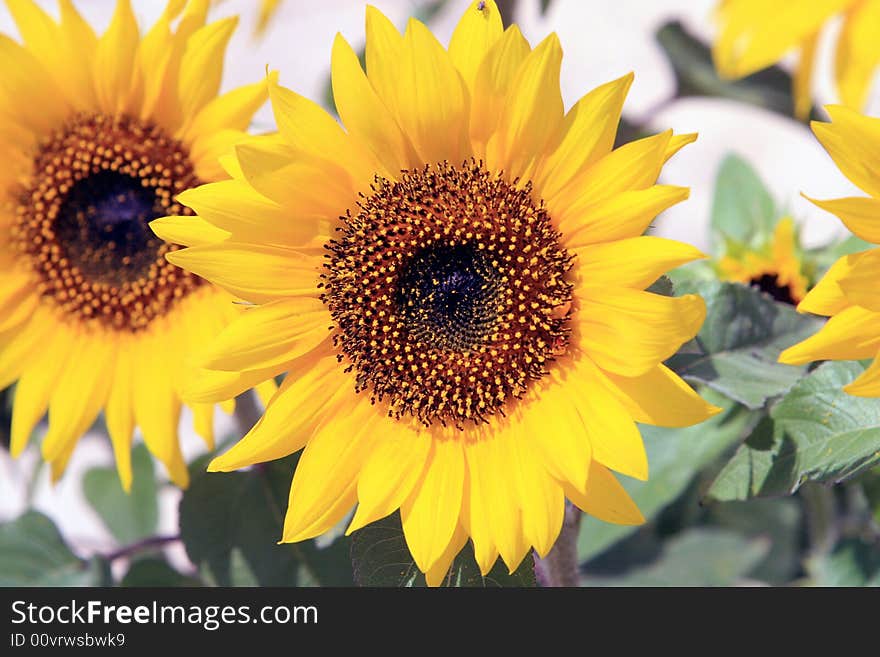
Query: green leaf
675,457
224,513
816,433
380,557
155,571
854,562
33,553
695,75
740,342
742,209
663,286
780,520
697,557
240,572
129,516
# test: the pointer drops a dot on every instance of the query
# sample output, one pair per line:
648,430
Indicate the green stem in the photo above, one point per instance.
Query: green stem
140,546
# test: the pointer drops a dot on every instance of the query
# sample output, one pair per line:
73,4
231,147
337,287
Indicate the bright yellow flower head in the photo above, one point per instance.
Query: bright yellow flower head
98,136
453,282
848,293
776,269
756,34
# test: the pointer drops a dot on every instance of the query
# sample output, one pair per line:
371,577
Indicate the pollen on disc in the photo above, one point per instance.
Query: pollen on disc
449,293
82,222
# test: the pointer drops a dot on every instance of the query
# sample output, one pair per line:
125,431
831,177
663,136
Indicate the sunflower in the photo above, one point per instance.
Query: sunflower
98,136
454,285
848,292
755,34
776,269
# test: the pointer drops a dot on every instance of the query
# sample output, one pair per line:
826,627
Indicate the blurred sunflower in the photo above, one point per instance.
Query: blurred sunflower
454,284
848,292
98,136
755,34
776,269
268,8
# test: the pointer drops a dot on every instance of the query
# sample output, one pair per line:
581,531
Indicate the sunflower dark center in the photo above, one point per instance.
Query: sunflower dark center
769,284
104,224
83,221
448,293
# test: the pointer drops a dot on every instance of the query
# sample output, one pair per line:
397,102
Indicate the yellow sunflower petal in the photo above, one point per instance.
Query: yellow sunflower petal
325,482
203,422
635,262
269,335
34,389
157,407
803,77
827,298
432,102
80,392
119,413
857,56
850,141
559,436
860,283
309,394
201,70
431,513
605,498
211,386
231,111
860,214
251,271
615,440
493,505
541,497
852,334
633,166
435,575
383,54
206,151
589,131
17,302
756,34
389,475
630,332
26,84
867,384
114,59
307,127
305,186
494,77
187,231
660,397
234,206
364,114
532,112
65,60
22,344
477,31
